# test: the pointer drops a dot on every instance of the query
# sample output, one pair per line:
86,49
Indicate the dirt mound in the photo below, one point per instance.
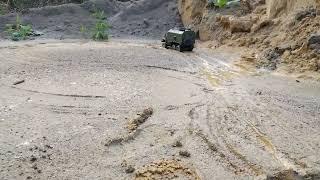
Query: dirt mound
149,18
141,18
166,169
283,34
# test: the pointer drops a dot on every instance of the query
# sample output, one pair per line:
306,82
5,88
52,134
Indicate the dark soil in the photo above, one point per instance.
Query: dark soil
141,18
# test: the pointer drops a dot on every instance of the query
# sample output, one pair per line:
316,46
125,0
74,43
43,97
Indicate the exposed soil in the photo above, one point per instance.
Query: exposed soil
128,18
130,109
277,32
211,118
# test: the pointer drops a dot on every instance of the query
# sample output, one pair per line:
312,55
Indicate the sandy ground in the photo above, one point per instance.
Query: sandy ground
125,110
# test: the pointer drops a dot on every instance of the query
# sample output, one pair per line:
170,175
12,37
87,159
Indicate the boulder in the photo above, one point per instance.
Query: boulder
314,43
235,24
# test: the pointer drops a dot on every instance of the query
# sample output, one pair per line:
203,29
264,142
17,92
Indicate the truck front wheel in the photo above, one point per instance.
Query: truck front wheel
165,45
179,48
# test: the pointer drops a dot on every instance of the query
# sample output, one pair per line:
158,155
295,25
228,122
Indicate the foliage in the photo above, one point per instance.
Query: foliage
99,15
221,3
18,31
2,9
218,3
100,31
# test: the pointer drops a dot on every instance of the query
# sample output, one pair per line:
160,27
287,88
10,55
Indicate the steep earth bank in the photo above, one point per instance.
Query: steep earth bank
280,35
141,18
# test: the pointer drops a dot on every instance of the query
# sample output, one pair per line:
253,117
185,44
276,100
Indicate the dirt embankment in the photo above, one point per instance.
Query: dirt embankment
140,18
281,35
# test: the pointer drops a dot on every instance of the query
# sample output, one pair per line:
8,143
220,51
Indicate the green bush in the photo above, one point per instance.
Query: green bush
221,3
217,3
100,31
3,8
18,31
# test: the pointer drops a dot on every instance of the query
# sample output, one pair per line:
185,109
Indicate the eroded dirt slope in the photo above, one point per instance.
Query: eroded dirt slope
141,18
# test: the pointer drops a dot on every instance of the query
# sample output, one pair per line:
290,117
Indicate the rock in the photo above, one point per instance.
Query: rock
235,24
33,159
314,43
130,169
146,23
261,24
286,174
177,144
270,58
184,153
310,12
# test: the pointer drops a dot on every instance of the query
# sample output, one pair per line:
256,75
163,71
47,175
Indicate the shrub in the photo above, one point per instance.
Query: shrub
100,31
3,8
18,31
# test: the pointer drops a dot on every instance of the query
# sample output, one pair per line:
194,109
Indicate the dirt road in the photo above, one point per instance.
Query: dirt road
124,110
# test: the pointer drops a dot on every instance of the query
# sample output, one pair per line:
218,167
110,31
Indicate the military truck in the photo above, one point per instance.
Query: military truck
181,39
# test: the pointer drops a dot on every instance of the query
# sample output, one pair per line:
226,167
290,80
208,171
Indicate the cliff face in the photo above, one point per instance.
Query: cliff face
191,11
279,31
276,8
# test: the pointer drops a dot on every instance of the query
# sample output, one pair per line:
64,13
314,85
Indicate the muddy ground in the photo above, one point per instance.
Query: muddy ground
130,109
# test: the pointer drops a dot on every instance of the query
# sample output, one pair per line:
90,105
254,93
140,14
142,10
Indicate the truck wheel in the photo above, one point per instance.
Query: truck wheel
179,48
165,45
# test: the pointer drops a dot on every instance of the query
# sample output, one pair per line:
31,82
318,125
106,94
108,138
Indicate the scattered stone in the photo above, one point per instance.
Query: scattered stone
171,107
184,153
177,144
33,159
270,58
286,174
297,81
310,12
99,114
34,167
48,146
314,42
130,169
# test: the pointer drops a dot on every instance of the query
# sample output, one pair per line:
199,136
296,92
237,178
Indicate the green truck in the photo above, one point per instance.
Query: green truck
180,39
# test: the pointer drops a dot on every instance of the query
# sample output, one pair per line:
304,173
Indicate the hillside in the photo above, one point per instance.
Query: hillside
128,18
279,35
